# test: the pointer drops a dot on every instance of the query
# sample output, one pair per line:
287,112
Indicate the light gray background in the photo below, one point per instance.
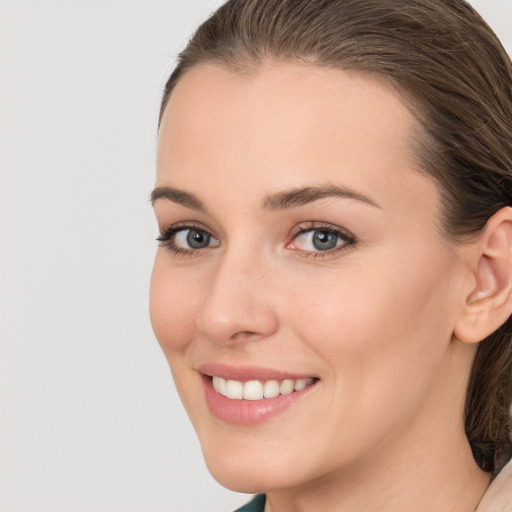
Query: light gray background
90,420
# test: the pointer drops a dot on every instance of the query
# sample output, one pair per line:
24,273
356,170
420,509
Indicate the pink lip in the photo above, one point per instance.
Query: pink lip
245,373
248,412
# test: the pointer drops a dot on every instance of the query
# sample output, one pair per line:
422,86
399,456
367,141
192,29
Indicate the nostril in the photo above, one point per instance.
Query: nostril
240,336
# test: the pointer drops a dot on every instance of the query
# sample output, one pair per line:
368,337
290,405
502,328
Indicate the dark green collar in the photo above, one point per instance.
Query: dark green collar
257,504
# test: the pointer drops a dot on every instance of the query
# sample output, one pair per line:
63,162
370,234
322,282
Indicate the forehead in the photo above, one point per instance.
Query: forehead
282,124
285,91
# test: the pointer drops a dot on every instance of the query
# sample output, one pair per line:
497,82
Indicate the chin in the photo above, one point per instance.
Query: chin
243,482
254,473
249,482
236,471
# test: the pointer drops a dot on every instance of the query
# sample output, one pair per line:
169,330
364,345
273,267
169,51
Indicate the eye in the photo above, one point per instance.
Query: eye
321,239
186,239
192,239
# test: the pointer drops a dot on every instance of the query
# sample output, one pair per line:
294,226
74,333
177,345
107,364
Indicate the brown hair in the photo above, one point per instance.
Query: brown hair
455,77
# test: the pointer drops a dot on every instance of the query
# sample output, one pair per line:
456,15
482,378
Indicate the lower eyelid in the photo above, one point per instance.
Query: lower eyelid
329,253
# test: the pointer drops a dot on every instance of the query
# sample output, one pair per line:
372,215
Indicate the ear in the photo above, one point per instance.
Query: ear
489,302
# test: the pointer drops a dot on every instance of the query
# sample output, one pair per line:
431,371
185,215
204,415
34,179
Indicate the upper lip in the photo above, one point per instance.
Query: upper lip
247,372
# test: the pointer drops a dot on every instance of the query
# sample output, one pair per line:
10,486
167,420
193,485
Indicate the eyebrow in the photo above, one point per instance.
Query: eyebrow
179,197
304,195
280,201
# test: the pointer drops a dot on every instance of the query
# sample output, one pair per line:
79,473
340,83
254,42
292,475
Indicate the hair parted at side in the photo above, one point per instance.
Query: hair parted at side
455,77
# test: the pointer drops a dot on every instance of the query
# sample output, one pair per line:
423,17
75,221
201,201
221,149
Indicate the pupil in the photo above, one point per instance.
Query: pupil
323,240
197,239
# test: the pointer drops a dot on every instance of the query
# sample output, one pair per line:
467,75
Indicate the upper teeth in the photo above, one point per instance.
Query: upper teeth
255,389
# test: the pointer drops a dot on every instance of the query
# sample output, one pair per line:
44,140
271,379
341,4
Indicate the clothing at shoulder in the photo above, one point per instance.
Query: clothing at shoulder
498,497
257,504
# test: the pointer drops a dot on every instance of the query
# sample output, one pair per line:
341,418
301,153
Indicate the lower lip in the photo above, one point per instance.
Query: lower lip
249,412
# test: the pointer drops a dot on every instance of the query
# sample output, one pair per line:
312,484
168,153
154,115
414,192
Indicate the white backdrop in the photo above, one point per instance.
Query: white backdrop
90,420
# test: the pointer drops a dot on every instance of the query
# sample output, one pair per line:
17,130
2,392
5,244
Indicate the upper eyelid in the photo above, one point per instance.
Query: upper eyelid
299,227
322,226
173,228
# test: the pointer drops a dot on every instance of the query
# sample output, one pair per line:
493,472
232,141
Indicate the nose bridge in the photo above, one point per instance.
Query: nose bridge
238,304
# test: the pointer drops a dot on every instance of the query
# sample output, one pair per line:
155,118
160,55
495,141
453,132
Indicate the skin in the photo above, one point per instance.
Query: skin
373,320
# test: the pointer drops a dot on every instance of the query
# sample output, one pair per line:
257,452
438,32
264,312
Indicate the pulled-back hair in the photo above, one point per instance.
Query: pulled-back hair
454,76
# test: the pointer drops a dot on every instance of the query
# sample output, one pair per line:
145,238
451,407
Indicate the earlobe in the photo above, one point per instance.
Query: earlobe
489,303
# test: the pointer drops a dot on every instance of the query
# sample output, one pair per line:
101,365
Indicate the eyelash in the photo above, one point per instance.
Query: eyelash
348,239
167,235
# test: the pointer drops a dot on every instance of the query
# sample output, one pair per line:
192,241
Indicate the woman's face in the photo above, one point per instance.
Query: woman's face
300,247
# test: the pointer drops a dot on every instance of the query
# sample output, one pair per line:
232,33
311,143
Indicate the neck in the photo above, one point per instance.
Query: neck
389,482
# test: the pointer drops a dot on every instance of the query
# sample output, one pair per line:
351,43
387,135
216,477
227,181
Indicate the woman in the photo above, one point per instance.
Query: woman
332,288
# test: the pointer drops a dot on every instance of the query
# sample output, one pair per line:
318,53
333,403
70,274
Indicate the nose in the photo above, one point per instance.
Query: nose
238,305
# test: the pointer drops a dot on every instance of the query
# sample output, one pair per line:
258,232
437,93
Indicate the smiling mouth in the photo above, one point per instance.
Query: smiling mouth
248,396
258,389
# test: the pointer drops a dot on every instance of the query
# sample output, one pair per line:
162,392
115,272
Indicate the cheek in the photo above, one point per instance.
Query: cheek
172,306
173,311
382,329
383,300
